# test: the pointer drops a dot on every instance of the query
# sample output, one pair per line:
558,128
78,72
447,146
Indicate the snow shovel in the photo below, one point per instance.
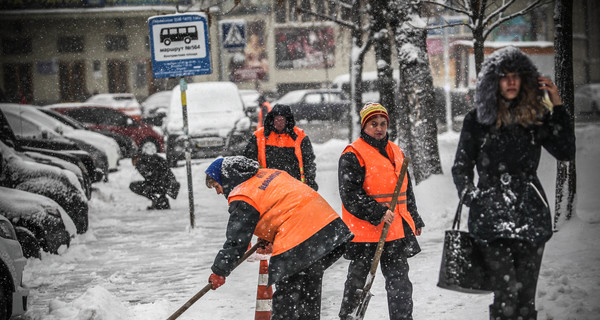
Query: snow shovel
363,296
207,287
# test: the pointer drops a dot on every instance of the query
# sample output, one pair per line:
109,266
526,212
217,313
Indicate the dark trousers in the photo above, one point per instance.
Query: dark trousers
394,266
514,267
299,296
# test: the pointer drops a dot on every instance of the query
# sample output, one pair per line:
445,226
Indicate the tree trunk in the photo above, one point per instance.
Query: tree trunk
417,129
563,66
383,58
357,56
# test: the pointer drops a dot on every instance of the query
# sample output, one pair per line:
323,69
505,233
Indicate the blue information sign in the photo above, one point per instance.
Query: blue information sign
180,45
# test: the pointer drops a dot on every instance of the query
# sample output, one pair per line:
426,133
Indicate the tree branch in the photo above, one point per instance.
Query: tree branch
443,5
340,22
504,19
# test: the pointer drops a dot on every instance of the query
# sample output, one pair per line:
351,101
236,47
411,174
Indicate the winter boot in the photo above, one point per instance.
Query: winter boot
162,203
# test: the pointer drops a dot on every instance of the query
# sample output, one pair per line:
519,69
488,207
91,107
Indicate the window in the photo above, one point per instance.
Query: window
70,44
313,98
116,43
14,46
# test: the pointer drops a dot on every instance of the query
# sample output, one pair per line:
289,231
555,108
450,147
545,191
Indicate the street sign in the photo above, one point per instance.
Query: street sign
180,45
233,33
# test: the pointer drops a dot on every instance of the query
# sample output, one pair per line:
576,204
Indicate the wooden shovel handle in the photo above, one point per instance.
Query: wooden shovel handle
207,287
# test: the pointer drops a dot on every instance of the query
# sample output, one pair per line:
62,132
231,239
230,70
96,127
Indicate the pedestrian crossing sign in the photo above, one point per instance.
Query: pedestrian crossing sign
233,34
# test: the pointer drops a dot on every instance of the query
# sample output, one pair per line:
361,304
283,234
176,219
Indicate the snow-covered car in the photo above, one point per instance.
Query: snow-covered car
155,107
587,101
41,217
27,121
126,144
147,138
250,98
217,121
62,186
13,294
317,104
125,102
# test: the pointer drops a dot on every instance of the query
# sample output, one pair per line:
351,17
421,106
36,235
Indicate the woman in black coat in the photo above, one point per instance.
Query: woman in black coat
502,138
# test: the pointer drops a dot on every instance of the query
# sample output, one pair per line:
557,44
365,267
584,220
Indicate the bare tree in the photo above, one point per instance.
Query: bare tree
360,44
484,17
566,175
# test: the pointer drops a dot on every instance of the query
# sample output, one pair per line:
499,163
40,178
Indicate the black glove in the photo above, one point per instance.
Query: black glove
469,194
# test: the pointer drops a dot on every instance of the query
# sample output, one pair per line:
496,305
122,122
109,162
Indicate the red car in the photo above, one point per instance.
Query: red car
148,138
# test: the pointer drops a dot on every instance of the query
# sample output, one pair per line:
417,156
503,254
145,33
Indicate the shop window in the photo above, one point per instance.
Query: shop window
70,44
15,46
116,43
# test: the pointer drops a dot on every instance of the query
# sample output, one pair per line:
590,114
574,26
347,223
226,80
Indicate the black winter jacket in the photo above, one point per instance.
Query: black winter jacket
244,218
512,202
156,171
351,176
285,158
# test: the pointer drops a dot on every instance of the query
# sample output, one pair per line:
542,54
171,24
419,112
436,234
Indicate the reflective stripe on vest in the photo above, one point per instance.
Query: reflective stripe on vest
290,211
281,141
381,176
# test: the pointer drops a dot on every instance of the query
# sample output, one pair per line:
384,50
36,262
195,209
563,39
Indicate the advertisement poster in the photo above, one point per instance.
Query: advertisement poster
251,63
307,48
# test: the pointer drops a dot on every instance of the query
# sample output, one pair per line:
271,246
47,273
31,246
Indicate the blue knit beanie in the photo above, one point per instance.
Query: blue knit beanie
214,170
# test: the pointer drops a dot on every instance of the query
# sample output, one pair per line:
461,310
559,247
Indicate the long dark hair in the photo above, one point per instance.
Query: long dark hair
527,108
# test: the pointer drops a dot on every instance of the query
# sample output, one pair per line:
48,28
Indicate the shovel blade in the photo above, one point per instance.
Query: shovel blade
363,297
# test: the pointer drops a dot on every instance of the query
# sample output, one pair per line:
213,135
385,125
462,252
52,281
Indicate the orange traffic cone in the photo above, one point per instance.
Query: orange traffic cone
264,294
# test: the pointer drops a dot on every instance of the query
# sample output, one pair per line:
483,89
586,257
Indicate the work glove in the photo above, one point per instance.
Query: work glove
264,247
470,193
216,281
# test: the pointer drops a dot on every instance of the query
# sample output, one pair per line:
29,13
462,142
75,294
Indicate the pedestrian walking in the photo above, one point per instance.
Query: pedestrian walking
307,235
368,171
159,181
502,138
281,145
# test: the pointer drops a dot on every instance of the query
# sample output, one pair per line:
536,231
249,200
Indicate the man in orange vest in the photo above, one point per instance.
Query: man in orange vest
368,171
281,145
307,235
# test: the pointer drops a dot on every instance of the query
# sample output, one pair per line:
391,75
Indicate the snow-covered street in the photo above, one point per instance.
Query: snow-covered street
140,264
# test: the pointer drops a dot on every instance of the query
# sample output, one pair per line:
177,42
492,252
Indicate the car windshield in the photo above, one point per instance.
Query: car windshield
292,97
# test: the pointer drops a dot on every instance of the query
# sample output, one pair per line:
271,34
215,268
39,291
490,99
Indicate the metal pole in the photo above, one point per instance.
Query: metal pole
447,86
188,154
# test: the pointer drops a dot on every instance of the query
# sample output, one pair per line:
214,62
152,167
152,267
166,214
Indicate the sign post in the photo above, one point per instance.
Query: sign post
180,48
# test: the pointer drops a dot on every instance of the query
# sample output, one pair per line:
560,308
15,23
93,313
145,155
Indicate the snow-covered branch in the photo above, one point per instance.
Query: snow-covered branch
324,16
453,8
501,19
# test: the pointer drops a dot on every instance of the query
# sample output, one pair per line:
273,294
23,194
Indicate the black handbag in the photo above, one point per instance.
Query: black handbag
463,268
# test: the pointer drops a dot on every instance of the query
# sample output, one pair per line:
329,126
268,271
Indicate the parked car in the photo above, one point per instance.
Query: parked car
155,107
317,104
217,121
46,221
13,294
62,186
147,138
250,98
58,147
126,144
587,101
27,121
124,102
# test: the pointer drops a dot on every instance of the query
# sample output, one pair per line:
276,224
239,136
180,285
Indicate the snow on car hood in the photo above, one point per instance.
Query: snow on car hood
108,145
213,108
26,202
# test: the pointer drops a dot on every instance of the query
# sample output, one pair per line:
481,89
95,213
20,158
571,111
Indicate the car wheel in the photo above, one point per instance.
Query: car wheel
29,244
5,296
149,146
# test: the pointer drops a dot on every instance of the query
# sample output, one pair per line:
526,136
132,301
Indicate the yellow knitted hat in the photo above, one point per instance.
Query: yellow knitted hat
370,110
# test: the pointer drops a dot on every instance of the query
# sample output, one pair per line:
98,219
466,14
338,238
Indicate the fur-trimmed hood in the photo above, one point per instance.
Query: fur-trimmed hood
507,59
235,170
290,123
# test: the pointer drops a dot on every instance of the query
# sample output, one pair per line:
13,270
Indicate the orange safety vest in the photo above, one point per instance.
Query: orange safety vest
290,211
381,176
262,115
281,141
